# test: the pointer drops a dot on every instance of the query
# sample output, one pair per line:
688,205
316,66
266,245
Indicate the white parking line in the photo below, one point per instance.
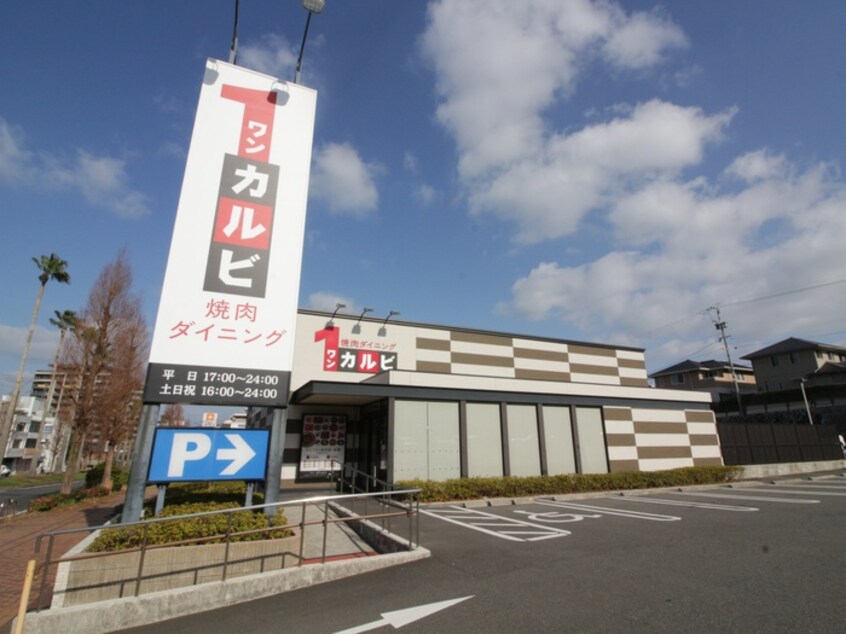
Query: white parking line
698,505
802,492
513,530
732,496
815,487
606,511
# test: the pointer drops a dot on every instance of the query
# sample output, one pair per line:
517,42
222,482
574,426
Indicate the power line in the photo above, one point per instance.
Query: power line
783,293
702,349
670,324
705,311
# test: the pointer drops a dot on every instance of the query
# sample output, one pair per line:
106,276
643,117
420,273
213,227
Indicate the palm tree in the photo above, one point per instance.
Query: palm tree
51,267
63,321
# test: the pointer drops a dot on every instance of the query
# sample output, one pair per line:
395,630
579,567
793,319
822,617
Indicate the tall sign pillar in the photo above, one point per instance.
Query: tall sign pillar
224,332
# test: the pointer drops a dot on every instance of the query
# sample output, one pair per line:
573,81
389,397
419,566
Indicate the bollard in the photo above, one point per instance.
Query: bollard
27,588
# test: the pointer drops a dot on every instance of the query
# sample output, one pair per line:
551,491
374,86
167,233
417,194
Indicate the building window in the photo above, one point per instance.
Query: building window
30,443
676,379
558,432
427,443
484,440
523,446
774,360
794,358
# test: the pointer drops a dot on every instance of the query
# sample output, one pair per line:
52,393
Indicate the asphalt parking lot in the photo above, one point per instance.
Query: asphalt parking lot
752,558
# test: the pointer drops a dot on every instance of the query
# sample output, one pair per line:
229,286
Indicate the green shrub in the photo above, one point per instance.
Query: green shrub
476,488
209,492
213,526
94,476
49,502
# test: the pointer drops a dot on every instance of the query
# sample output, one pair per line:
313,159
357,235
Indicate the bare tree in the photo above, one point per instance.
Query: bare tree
111,310
119,403
173,416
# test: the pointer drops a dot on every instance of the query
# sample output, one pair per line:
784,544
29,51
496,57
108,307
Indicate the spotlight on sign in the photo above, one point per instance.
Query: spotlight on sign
331,322
356,330
383,330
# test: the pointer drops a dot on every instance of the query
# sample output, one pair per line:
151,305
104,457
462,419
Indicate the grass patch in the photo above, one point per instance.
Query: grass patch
507,487
27,480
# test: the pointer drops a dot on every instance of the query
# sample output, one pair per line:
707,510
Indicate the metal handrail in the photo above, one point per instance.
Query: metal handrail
411,510
378,484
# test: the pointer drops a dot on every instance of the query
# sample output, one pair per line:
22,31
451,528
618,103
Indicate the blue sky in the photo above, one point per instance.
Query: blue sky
597,171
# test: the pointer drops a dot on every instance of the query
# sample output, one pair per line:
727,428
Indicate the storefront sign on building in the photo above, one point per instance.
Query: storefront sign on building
350,354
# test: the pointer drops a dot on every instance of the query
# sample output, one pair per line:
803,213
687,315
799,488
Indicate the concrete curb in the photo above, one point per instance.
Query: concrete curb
108,616
791,468
379,538
60,583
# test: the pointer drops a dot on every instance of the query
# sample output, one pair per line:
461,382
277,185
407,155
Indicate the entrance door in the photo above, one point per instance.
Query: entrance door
374,441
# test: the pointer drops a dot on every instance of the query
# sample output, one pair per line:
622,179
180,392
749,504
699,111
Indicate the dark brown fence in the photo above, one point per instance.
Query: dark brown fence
763,443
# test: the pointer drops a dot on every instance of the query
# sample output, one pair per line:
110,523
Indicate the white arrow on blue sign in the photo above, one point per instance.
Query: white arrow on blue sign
190,455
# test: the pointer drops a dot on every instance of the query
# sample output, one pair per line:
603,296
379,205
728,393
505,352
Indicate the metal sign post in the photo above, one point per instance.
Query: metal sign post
133,504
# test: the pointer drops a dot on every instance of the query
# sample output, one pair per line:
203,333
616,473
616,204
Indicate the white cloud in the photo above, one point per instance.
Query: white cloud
425,195
500,65
642,40
757,165
101,180
328,301
674,241
684,246
341,178
273,55
588,168
15,162
409,162
42,350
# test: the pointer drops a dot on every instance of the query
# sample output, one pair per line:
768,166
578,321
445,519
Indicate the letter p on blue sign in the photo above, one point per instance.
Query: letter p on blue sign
191,455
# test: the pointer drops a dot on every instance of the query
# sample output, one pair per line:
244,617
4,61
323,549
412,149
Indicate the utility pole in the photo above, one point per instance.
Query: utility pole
720,325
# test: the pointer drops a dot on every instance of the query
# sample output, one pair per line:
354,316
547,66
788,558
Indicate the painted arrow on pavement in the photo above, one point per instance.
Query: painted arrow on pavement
240,454
398,618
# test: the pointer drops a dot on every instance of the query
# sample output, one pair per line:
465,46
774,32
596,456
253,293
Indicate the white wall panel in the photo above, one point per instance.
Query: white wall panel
558,431
484,440
523,444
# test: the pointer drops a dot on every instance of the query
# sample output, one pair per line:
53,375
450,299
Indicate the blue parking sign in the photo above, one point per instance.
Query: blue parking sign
190,455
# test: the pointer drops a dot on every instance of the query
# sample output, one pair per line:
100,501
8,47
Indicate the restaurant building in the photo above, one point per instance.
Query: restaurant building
401,400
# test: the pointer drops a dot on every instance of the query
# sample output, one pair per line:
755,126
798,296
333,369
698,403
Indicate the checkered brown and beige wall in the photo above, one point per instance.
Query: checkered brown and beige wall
460,352
648,440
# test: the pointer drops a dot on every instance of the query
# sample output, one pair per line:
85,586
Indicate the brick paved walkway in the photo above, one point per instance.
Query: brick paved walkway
17,544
